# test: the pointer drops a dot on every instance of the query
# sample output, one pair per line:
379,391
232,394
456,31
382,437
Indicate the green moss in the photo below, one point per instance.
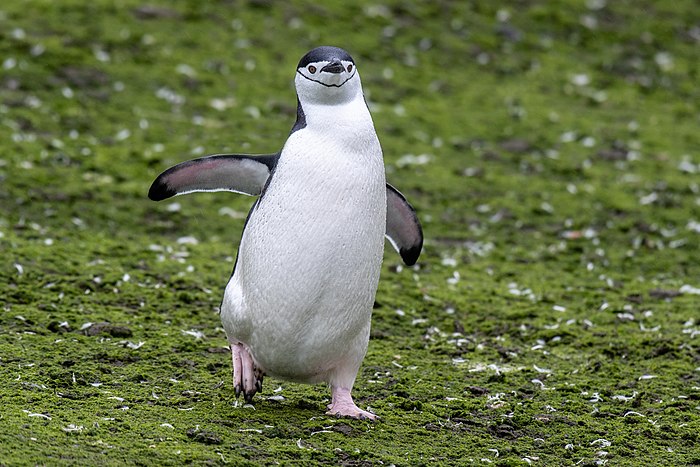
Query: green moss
544,325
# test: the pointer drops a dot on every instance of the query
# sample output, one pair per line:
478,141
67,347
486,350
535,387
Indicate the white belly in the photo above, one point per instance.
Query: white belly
309,261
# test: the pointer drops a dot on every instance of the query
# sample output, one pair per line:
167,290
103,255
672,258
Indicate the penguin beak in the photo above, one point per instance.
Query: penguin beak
334,67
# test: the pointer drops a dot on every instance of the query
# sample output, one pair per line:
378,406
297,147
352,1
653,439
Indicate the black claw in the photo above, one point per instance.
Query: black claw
248,396
237,390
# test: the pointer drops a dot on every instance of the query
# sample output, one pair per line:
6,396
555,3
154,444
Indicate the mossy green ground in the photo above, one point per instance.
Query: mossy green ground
551,150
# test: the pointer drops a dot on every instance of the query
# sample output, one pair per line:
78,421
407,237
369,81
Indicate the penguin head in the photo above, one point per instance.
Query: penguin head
327,76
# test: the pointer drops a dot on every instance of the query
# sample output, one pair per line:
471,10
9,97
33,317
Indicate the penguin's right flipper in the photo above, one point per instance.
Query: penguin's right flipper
239,173
403,228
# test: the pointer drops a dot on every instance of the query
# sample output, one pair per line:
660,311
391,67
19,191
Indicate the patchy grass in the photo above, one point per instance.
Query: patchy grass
552,319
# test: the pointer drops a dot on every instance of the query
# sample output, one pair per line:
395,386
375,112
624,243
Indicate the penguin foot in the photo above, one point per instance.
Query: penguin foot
247,378
343,406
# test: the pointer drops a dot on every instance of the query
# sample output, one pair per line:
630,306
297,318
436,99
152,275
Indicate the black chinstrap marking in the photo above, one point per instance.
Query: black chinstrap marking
327,85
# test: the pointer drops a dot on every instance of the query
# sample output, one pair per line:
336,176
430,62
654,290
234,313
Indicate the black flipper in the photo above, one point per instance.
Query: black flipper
240,173
403,228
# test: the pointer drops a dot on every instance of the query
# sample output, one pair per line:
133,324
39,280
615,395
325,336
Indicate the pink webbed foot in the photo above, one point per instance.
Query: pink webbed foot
343,406
247,378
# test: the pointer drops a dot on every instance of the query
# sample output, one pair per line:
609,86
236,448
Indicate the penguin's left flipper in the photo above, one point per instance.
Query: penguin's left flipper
403,228
239,173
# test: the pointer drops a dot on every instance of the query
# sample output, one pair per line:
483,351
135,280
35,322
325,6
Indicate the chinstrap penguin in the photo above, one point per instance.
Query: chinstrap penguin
298,304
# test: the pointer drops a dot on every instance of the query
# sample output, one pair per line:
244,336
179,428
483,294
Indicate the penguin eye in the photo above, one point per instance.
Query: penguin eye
312,69
349,68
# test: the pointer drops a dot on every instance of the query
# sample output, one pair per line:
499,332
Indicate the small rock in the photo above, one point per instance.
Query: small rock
343,428
83,77
107,328
155,12
203,436
516,146
613,154
663,294
477,391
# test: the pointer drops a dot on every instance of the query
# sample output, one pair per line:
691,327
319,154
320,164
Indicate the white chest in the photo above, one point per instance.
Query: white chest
323,211
310,256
